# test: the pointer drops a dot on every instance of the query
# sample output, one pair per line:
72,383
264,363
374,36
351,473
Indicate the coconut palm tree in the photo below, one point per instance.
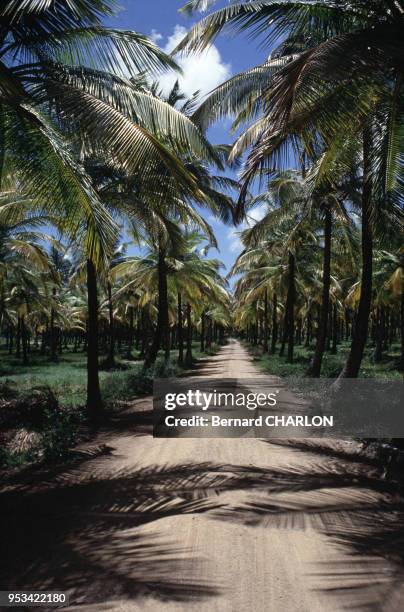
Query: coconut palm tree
24,270
343,69
22,254
70,85
187,273
62,70
198,282
389,279
286,234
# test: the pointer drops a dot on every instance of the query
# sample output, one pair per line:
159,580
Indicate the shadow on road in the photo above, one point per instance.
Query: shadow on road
79,532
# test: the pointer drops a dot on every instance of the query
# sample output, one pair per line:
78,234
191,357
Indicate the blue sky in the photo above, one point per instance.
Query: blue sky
161,20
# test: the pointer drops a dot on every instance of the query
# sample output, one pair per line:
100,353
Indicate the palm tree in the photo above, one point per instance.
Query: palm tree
66,81
197,279
60,60
342,71
117,257
23,259
263,276
328,198
390,279
187,273
285,233
161,205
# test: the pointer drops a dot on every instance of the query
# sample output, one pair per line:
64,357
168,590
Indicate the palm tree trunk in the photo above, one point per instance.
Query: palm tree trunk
308,329
188,355
402,330
203,325
94,402
24,340
209,334
334,330
274,322
284,334
315,368
10,346
18,338
131,332
180,331
290,308
144,333
111,353
44,338
161,334
266,322
353,363
379,335
53,340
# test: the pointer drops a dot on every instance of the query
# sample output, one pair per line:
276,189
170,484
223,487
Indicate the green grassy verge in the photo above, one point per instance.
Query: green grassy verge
332,364
42,403
67,378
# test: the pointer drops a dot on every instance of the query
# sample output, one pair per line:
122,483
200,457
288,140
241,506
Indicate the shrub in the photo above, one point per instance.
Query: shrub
126,385
165,369
59,432
37,428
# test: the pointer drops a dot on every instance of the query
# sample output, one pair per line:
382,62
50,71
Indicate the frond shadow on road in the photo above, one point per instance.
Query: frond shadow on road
80,533
81,527
346,500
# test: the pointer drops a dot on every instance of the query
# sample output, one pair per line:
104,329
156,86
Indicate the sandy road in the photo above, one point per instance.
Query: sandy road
225,564
218,525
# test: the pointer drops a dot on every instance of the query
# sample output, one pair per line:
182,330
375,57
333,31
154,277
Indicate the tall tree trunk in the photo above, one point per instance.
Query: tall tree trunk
131,332
180,331
94,402
308,329
188,356
209,334
392,335
329,330
24,340
44,338
379,334
353,363
290,307
203,326
10,345
144,333
18,338
111,332
161,334
347,324
402,329
274,322
266,322
315,368
334,330
53,334
284,334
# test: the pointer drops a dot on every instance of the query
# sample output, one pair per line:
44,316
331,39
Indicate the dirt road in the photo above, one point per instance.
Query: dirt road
220,525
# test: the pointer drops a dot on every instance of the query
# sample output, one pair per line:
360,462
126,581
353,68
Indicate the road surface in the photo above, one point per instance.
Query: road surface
215,525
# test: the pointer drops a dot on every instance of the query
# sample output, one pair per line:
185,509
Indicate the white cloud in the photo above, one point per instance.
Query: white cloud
257,214
155,36
235,245
201,72
233,235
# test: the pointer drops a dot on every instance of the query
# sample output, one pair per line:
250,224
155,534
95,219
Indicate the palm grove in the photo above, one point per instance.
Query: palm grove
94,158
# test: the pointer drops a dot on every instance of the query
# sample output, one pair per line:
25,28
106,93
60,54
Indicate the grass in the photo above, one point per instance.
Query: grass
332,364
67,378
46,400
